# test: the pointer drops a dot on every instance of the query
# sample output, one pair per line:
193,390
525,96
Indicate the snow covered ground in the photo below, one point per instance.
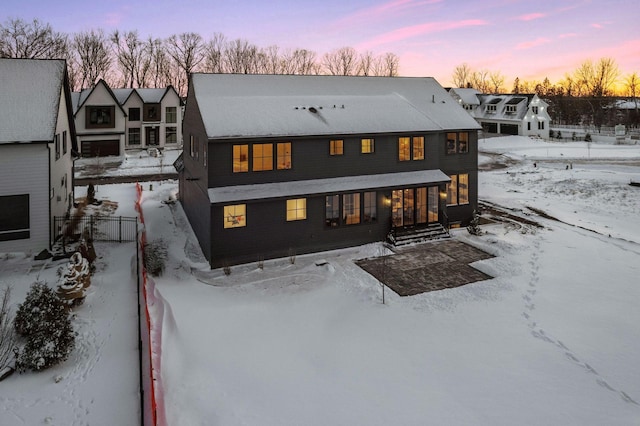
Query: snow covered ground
554,338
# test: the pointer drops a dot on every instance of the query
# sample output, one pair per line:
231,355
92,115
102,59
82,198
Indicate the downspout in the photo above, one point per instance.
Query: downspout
49,195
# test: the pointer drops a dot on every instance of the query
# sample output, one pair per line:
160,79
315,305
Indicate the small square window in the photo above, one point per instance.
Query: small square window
367,146
296,209
336,147
235,216
134,114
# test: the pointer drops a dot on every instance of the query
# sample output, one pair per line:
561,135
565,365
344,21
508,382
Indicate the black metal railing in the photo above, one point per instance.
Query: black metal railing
99,228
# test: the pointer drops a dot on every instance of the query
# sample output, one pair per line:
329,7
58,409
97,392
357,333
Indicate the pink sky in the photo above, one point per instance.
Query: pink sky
525,39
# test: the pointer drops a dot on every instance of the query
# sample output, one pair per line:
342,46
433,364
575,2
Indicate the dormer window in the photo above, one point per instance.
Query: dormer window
534,109
151,112
491,108
511,109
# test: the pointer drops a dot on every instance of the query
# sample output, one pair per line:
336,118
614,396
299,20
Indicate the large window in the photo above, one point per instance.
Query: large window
171,135
240,158
297,209
171,116
100,117
367,146
262,157
451,143
411,148
14,217
56,140
351,208
235,216
134,136
404,149
458,190
336,147
284,155
463,142
370,213
332,210
151,112
134,114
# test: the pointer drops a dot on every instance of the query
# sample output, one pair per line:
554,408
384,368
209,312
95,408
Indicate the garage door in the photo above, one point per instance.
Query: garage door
100,148
509,129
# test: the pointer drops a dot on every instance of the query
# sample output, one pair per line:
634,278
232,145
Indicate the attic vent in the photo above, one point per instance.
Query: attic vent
313,110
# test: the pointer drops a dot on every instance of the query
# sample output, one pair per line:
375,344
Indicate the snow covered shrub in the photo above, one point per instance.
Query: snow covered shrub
74,281
43,320
474,226
155,256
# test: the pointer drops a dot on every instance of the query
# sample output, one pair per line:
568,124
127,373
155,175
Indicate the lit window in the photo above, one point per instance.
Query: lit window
451,143
452,191
240,158
262,157
332,210
297,209
235,216
284,155
463,142
367,146
336,147
421,205
171,115
351,208
370,207
418,147
404,149
463,189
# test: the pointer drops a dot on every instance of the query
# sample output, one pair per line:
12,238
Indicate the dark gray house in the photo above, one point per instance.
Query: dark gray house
281,164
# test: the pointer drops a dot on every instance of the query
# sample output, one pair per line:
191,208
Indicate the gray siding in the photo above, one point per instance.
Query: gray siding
24,169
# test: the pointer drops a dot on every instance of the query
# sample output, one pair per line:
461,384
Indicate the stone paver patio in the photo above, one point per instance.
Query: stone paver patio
427,267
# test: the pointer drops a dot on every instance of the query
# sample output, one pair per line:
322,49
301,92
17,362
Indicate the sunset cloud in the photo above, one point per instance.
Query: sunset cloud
567,35
383,11
530,16
418,30
535,43
597,26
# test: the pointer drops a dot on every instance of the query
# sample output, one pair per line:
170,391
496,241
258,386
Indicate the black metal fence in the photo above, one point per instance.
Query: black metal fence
100,228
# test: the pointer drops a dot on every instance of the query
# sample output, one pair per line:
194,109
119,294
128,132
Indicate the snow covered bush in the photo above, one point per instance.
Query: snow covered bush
74,281
155,256
43,320
474,226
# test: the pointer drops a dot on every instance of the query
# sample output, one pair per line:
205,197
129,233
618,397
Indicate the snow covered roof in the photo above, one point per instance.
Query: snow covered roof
121,95
30,91
239,106
469,96
265,191
501,101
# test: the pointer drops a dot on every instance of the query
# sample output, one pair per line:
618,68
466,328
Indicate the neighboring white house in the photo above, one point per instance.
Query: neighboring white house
37,149
512,114
112,120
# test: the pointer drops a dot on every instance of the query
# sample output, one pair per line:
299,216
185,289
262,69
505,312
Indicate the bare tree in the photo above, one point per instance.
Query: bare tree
187,51
596,79
132,58
366,64
516,86
341,62
35,40
480,81
93,56
304,62
462,75
632,87
213,54
386,65
240,57
497,80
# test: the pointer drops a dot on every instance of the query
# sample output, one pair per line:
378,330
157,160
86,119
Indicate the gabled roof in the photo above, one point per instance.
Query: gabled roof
469,96
239,106
79,98
30,91
122,95
501,101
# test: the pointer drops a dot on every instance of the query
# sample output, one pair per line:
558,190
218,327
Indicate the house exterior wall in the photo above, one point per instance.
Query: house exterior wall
171,99
100,96
24,169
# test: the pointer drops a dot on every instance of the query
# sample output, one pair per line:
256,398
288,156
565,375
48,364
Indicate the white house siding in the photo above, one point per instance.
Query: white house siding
24,169
171,99
100,96
62,168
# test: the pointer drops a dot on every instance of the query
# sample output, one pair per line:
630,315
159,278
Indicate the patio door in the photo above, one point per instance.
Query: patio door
414,206
152,136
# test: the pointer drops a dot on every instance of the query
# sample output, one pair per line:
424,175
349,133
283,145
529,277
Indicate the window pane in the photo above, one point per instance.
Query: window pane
367,146
351,208
262,157
396,207
134,136
418,148
332,210
240,158
235,216
451,143
171,136
370,207
421,205
336,147
463,189
151,112
433,204
463,142
171,115
404,149
134,114
297,209
284,156
452,190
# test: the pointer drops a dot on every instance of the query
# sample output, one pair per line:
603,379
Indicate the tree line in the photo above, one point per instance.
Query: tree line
125,59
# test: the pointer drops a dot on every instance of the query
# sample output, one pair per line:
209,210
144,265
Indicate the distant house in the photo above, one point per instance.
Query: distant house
112,120
37,148
275,165
512,114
